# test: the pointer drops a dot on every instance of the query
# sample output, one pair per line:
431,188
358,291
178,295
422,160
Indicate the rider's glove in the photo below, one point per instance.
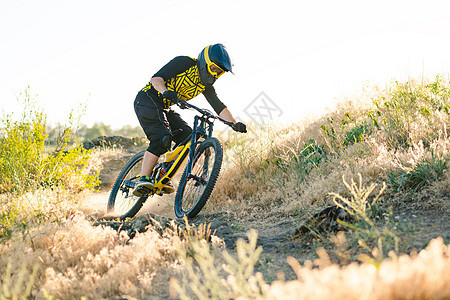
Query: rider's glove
171,95
239,127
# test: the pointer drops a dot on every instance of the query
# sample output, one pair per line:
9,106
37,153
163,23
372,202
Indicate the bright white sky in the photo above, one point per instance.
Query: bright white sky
301,54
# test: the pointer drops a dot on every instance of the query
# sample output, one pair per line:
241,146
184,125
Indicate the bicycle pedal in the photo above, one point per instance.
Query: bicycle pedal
142,191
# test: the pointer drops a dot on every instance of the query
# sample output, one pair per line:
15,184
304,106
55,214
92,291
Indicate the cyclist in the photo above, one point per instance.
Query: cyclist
182,78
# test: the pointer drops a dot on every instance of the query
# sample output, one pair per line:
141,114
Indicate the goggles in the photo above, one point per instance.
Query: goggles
219,71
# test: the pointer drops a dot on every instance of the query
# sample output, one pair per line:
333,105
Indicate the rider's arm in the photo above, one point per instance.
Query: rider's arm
226,114
158,84
214,101
174,67
217,105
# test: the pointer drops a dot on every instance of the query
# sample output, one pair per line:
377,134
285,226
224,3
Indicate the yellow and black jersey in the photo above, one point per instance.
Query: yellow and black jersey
181,75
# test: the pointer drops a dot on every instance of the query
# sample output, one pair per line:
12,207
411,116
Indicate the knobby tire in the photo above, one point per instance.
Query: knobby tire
192,193
135,202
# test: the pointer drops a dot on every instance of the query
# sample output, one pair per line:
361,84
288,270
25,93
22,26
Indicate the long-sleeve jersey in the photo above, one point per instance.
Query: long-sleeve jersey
182,76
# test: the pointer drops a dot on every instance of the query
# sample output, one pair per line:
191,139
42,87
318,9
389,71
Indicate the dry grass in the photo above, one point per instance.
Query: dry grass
75,259
264,167
417,276
53,251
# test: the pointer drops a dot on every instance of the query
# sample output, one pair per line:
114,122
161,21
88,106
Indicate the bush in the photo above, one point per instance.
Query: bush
358,134
23,163
415,178
299,163
409,112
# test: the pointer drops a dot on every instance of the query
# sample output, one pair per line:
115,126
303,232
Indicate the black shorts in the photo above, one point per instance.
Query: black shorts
157,123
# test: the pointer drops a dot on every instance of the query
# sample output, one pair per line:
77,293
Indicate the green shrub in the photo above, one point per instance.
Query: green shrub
358,133
405,113
415,178
24,165
301,162
21,147
409,106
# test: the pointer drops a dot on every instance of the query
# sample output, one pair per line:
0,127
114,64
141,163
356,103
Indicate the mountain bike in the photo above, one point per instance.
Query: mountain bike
204,154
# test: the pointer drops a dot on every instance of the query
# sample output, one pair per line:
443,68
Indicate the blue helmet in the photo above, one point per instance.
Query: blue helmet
215,55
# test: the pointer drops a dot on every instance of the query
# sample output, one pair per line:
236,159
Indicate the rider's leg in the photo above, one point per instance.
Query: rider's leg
155,149
176,123
181,131
156,127
149,162
151,156
150,159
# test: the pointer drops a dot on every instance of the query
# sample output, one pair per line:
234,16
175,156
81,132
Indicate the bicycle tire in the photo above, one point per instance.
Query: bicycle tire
121,194
192,193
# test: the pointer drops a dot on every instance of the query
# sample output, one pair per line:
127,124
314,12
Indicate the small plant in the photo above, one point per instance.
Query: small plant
9,217
357,134
349,130
207,280
299,163
359,206
19,286
415,178
329,130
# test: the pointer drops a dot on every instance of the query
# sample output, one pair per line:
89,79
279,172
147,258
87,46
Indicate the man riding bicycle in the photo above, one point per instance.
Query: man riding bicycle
182,78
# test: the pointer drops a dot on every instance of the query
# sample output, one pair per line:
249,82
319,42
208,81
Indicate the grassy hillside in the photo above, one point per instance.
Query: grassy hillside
380,159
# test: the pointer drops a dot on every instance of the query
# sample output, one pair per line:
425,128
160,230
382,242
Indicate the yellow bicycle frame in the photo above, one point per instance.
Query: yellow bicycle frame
179,154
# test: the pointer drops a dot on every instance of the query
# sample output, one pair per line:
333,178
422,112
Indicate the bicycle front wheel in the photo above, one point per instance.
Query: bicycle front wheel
196,187
121,199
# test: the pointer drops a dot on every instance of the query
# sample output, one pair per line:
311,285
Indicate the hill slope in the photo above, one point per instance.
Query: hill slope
341,206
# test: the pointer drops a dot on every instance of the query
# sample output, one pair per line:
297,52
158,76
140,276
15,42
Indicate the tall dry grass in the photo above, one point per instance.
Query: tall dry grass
422,275
57,253
75,259
386,135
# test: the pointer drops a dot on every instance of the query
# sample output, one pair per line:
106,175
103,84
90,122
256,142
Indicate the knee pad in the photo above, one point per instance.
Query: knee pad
166,141
160,146
181,135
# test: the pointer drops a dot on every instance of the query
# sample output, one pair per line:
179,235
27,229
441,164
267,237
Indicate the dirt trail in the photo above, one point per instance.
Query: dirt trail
96,203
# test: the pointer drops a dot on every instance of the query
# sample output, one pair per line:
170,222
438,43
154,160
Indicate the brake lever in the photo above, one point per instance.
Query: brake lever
182,104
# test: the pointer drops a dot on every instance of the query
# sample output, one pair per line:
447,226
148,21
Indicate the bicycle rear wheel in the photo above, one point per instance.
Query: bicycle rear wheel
121,199
196,187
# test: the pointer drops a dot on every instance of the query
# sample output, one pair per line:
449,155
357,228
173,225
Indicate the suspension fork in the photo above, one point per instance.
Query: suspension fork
194,142
197,130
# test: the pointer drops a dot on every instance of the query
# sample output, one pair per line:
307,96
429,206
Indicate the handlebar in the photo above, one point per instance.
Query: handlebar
184,105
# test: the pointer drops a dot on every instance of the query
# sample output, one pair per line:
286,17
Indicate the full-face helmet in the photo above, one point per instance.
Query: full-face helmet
213,61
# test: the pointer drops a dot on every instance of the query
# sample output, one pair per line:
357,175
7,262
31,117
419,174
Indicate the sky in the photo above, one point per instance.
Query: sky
292,59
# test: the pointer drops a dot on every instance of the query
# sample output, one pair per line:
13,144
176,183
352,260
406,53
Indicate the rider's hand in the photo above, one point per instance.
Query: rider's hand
171,95
239,127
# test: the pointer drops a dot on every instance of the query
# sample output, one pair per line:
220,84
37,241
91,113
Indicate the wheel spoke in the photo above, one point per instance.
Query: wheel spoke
197,181
125,199
198,178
